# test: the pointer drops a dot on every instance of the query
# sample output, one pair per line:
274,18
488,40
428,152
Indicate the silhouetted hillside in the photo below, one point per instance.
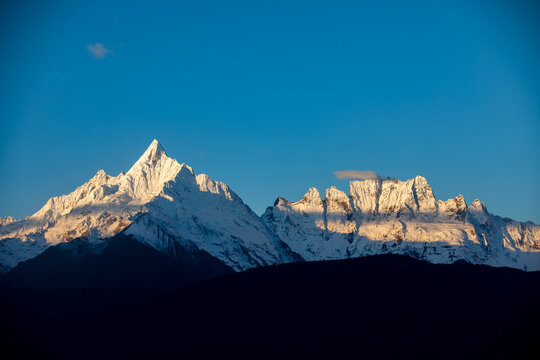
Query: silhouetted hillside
123,263
384,306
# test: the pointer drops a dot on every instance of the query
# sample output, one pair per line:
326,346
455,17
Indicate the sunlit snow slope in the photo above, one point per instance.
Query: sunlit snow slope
401,217
159,201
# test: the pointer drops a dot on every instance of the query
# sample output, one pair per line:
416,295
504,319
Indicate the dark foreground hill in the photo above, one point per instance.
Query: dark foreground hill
384,306
124,263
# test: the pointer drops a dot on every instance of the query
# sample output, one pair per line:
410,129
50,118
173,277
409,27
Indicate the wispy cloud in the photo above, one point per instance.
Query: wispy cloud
356,174
98,50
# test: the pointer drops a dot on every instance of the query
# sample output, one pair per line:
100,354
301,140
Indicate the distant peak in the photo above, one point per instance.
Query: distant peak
100,176
312,196
280,200
312,193
478,206
7,220
333,192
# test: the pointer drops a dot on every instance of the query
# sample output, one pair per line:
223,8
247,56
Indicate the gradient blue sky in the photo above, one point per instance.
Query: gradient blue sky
273,97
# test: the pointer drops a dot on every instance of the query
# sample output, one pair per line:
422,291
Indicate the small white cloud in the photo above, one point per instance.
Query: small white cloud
98,50
356,174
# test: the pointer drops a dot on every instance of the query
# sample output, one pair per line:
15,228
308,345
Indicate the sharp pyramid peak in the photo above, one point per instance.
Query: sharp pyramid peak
151,156
155,144
154,150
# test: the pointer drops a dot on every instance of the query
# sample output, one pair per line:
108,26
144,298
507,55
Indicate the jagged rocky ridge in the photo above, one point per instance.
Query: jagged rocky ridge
401,217
164,204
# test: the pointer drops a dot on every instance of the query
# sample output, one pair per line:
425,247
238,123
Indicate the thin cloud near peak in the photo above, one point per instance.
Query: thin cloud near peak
356,174
98,50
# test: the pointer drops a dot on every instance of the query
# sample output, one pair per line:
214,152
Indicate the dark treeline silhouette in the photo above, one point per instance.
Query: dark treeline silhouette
385,306
123,263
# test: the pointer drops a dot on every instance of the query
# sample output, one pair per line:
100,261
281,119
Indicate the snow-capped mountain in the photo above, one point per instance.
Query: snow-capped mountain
160,202
401,217
164,204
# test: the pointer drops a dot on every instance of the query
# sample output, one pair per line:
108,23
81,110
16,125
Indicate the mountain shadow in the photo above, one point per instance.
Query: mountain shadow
385,306
123,263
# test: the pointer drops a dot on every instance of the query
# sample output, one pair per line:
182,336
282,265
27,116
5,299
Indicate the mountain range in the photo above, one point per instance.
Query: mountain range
199,226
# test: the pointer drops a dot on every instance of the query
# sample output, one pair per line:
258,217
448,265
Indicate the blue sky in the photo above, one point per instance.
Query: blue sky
273,97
